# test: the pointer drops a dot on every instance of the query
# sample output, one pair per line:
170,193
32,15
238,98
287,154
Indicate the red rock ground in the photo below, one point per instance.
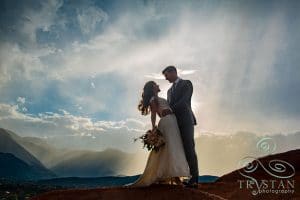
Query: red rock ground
226,187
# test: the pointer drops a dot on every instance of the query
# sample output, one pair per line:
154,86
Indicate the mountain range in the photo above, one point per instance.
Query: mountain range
16,169
63,162
17,163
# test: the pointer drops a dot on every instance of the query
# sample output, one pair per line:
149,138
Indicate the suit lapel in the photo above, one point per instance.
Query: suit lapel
176,90
169,96
178,87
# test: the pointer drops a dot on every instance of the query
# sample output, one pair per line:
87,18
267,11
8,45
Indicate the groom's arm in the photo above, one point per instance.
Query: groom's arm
187,91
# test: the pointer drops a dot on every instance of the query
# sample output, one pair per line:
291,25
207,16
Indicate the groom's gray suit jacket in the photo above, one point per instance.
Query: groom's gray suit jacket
180,102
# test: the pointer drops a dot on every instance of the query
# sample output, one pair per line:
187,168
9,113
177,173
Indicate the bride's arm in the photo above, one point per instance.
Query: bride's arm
153,108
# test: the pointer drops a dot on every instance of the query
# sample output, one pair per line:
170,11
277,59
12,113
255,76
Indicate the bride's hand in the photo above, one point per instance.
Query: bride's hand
166,112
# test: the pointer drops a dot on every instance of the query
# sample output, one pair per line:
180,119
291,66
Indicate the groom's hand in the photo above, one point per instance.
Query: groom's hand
166,112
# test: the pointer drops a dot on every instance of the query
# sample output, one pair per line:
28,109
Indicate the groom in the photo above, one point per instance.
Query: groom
179,98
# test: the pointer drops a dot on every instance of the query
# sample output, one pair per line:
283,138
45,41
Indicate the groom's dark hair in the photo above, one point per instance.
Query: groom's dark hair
170,69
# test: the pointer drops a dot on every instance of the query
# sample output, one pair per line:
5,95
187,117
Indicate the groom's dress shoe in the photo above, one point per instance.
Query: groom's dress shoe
192,183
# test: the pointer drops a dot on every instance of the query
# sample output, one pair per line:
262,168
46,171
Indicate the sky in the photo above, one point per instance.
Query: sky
73,71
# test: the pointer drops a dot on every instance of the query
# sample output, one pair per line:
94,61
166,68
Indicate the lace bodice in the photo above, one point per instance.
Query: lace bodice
162,104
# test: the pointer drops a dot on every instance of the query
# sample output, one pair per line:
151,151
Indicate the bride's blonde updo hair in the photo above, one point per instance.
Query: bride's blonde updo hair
148,93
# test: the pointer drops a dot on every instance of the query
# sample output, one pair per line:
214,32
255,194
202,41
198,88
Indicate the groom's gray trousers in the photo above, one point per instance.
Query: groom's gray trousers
187,135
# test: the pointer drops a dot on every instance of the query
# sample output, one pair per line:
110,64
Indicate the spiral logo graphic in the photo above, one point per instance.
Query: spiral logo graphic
247,164
281,166
266,145
276,168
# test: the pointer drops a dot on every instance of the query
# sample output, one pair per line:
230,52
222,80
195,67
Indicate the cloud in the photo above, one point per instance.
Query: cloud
64,130
70,131
67,121
21,21
21,104
155,76
185,72
180,72
42,18
21,100
73,72
240,57
89,18
17,64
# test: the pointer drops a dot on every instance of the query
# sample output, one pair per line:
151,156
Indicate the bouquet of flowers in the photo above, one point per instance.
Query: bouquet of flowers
152,139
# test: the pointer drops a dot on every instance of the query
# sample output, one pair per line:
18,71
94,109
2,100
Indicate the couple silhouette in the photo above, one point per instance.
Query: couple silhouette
177,159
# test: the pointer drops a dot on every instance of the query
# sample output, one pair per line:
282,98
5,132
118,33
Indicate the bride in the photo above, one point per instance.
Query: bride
169,163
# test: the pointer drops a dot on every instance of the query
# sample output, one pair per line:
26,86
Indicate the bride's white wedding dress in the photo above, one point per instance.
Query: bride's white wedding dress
170,160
